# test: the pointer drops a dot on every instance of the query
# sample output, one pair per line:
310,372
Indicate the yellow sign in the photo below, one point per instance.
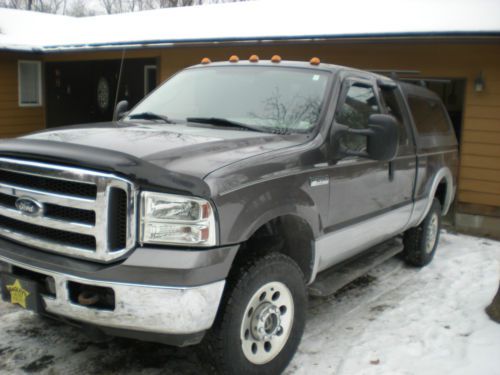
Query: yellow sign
18,294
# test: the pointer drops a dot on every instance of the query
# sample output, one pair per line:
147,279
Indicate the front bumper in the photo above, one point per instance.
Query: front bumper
145,308
164,295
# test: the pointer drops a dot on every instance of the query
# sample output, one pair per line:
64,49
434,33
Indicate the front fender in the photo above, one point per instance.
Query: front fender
245,210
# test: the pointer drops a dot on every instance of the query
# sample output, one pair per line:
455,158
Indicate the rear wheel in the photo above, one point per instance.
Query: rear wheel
420,243
262,318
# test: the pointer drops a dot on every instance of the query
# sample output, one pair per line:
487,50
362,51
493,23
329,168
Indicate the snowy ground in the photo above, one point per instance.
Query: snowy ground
396,320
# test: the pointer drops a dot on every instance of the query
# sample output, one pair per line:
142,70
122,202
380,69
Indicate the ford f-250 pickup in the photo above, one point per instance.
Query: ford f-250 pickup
209,211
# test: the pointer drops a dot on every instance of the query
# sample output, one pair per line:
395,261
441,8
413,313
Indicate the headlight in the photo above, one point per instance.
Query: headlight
176,220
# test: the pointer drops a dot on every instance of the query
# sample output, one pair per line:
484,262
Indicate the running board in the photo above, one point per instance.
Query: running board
332,279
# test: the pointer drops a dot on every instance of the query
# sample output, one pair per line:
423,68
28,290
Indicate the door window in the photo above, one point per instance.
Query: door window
358,104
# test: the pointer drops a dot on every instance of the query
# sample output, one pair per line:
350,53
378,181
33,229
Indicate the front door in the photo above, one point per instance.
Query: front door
370,200
85,91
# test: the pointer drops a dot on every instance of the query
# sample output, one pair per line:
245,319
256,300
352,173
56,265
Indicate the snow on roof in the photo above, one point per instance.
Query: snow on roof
253,20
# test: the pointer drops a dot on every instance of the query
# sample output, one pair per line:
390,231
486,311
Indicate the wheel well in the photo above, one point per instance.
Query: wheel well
289,235
441,192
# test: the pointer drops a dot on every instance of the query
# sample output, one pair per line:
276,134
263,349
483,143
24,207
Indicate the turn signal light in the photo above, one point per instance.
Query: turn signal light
276,59
206,60
234,59
314,61
254,58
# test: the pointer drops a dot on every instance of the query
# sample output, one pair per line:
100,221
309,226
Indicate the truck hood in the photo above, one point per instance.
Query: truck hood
189,149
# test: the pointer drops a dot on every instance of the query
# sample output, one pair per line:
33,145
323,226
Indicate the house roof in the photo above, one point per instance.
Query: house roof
251,21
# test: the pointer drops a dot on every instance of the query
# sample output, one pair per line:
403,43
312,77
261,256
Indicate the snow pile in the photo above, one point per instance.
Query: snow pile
252,20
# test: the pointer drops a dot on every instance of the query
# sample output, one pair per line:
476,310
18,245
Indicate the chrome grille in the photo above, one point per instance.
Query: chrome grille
84,214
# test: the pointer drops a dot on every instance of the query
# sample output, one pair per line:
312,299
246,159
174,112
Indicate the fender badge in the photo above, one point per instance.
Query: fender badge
319,181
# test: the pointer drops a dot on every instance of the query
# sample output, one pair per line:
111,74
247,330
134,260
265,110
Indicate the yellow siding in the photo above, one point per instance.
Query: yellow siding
480,174
485,199
481,137
15,120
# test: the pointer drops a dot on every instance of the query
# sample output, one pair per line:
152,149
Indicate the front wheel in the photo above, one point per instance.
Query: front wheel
261,320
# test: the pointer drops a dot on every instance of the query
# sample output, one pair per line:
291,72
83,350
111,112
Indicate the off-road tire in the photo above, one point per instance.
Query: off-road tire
222,345
416,252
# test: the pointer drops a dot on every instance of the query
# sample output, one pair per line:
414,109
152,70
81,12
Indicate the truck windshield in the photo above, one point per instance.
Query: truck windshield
263,98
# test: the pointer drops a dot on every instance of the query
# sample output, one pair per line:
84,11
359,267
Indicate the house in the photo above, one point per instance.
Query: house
57,70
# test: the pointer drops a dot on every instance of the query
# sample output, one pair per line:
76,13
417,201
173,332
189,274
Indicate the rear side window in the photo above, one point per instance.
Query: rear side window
429,115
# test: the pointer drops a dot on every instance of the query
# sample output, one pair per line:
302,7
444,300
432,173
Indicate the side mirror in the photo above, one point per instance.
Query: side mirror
120,110
382,138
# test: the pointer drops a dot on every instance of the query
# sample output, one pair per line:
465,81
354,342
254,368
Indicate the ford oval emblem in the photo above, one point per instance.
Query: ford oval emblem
29,206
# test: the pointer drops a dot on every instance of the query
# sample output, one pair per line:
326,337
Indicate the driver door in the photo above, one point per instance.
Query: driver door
367,202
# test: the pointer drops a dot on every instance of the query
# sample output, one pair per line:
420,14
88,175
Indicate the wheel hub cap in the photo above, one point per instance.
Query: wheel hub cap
267,323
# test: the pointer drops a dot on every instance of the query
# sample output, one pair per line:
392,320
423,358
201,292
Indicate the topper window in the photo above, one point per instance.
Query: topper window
30,83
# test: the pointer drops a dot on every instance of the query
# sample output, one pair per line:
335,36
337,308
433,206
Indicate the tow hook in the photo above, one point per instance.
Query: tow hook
88,298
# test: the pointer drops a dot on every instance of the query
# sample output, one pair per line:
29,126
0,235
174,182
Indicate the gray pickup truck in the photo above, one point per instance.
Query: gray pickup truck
210,211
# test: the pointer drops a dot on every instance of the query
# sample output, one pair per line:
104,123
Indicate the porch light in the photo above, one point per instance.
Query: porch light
479,82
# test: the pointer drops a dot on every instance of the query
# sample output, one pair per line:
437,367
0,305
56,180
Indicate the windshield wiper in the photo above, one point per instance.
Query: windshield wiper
223,122
151,116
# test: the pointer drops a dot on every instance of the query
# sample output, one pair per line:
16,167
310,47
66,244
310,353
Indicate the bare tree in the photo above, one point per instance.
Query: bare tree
108,5
47,6
79,8
16,4
119,6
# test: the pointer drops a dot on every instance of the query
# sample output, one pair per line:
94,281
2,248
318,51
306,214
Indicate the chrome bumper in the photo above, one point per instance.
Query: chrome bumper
146,308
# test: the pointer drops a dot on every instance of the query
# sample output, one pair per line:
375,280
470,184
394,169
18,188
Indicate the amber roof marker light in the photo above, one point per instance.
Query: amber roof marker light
253,58
234,59
276,59
206,60
315,61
